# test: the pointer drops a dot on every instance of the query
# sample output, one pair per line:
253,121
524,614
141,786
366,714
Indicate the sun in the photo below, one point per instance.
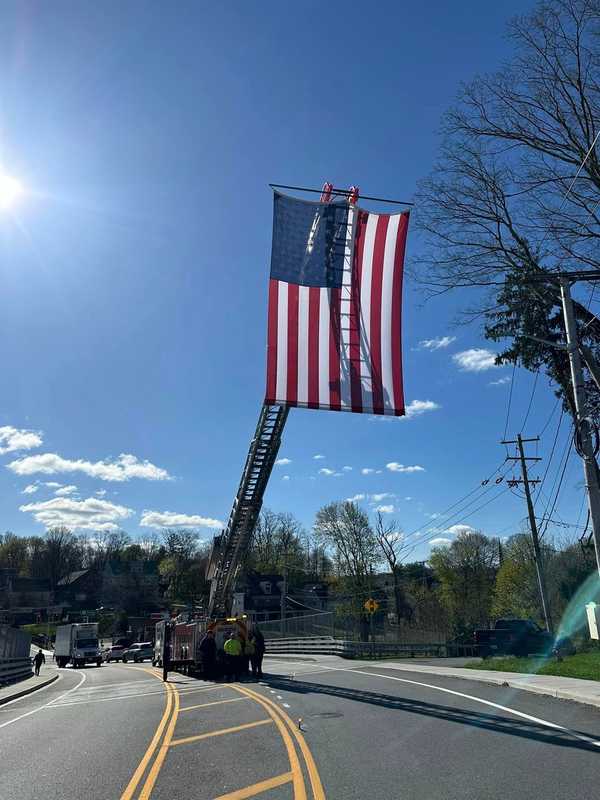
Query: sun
10,191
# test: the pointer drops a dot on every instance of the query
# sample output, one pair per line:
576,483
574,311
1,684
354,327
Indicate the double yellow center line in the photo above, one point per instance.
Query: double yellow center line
172,697
283,722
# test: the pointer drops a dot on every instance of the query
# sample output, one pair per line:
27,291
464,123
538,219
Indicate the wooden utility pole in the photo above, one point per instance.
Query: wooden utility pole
537,553
590,467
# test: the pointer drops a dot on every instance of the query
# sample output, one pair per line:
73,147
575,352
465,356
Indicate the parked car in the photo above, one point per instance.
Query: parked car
114,653
520,637
140,651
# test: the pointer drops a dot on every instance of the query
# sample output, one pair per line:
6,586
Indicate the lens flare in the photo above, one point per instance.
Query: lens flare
10,191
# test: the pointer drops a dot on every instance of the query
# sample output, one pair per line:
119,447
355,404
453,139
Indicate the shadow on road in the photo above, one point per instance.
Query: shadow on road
513,726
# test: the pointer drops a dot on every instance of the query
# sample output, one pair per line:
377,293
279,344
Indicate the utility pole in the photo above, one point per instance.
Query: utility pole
590,467
537,554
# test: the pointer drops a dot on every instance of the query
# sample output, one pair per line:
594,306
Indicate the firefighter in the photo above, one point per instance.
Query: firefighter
233,657
208,650
259,652
250,654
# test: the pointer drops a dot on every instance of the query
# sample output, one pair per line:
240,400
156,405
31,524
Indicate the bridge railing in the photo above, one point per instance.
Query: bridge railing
327,645
14,669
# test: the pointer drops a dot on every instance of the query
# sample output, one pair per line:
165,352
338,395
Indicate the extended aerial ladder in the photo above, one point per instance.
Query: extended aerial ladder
231,546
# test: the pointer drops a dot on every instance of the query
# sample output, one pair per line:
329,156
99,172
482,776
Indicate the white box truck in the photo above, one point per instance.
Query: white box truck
77,643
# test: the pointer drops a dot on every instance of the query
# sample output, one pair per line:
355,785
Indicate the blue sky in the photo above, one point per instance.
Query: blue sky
133,272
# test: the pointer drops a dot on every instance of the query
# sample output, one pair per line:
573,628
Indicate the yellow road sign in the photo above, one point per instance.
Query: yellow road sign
371,605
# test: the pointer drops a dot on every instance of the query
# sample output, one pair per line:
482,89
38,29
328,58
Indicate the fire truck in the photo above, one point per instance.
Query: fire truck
179,640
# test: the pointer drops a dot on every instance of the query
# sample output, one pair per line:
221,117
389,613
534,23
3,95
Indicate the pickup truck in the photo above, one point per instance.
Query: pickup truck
519,637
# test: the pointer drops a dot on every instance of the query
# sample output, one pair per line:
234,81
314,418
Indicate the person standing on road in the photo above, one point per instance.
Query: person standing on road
233,657
259,652
38,660
208,651
249,655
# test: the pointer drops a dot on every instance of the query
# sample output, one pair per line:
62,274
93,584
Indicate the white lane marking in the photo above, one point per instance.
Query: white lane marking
509,710
4,706
39,708
102,699
285,705
279,697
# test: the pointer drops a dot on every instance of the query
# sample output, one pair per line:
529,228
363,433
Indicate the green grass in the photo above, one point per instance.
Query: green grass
40,629
581,665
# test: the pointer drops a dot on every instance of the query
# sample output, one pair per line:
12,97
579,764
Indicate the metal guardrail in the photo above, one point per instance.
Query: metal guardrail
14,669
327,645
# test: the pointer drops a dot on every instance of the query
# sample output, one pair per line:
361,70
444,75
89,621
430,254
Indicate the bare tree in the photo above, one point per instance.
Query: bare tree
511,150
514,193
393,547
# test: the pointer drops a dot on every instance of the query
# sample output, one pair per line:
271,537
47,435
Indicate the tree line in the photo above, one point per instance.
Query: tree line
468,583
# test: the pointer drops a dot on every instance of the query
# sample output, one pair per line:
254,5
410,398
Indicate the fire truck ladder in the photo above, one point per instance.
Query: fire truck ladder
230,548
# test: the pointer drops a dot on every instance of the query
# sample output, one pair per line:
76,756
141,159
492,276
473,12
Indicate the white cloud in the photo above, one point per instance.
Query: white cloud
52,484
437,343
347,469
414,409
356,499
440,541
456,530
282,462
65,490
101,492
171,519
91,513
377,498
367,471
385,509
475,360
319,457
30,488
408,498
417,407
500,381
394,466
12,439
125,467
285,478
325,471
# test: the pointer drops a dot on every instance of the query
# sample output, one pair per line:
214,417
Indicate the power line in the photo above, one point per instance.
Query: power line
461,515
449,518
562,412
462,499
537,374
548,421
510,394
562,475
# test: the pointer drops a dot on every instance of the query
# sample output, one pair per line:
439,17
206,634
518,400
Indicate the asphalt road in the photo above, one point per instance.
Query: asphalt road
367,731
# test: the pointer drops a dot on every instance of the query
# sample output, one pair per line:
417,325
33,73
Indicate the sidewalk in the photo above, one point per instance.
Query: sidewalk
575,689
21,688
581,691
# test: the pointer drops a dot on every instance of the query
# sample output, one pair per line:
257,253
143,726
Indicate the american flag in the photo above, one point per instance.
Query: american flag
335,307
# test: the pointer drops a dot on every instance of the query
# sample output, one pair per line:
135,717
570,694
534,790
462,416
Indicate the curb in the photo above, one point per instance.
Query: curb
29,690
277,657
519,682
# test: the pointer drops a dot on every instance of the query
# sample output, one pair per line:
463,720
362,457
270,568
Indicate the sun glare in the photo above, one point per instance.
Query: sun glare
10,191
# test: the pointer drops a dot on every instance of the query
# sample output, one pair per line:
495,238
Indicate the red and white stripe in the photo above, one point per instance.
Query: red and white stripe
340,349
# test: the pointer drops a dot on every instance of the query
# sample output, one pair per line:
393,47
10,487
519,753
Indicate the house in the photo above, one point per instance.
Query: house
262,594
24,600
133,585
80,589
